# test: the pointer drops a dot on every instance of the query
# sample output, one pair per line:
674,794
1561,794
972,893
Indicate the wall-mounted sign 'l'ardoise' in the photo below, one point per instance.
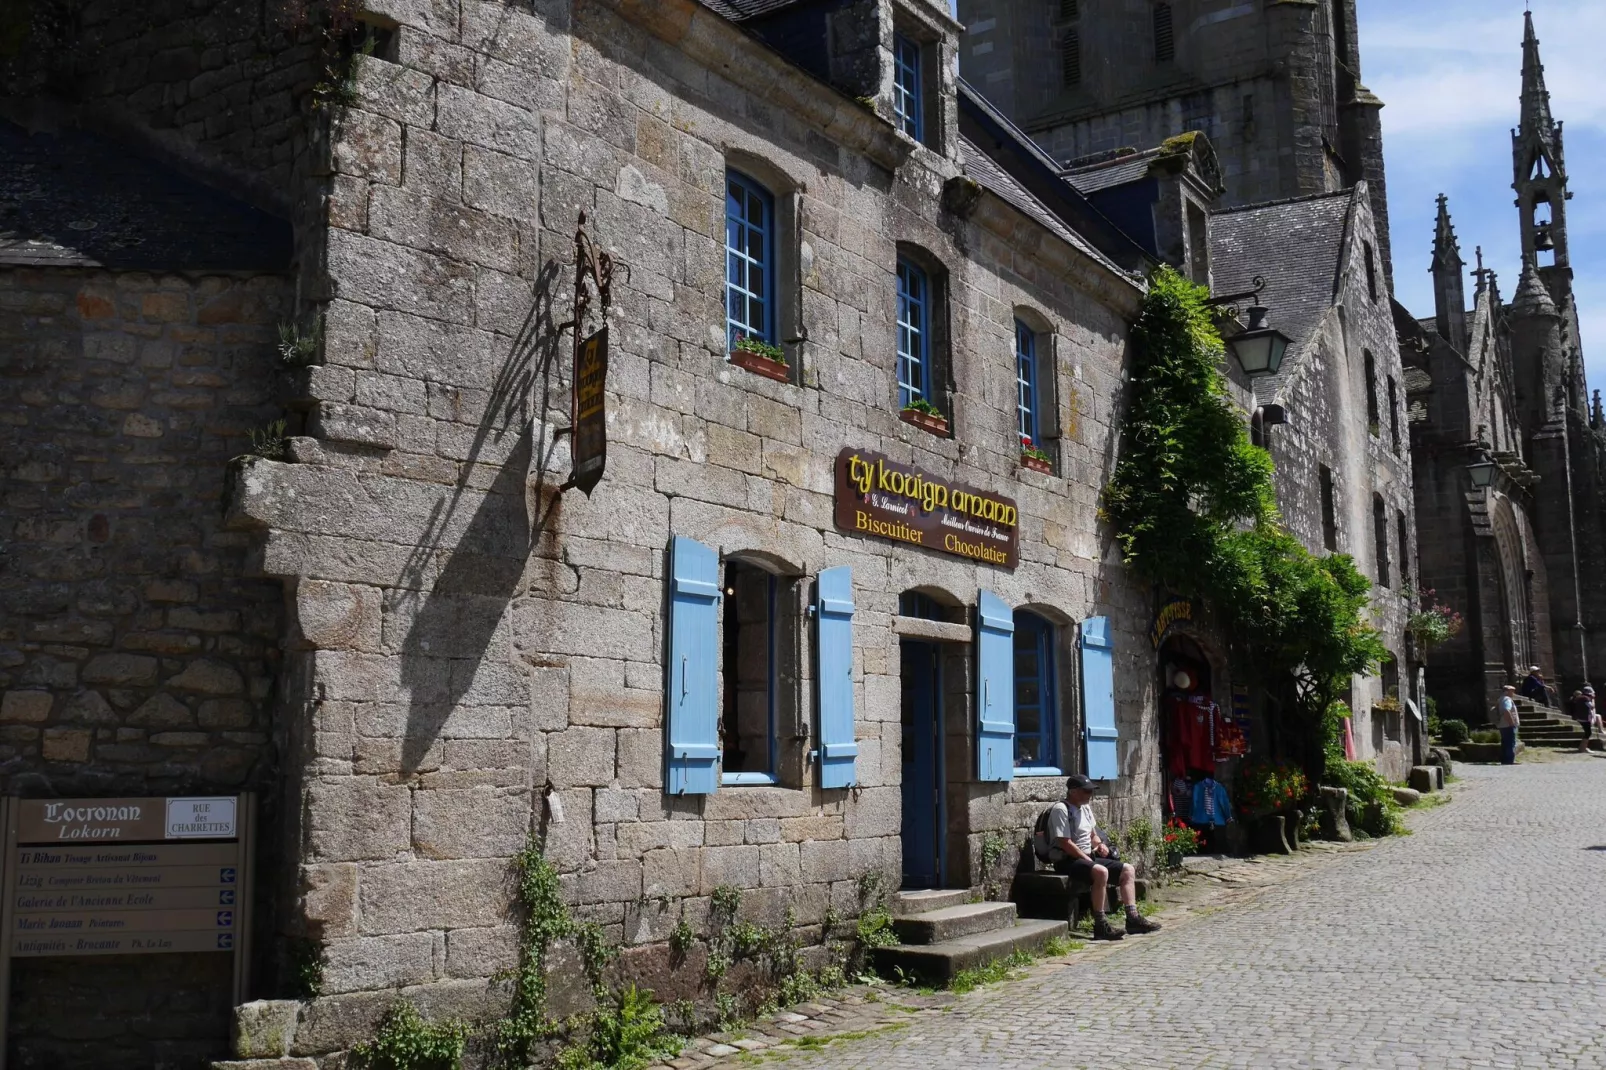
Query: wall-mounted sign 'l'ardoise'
886,500
591,412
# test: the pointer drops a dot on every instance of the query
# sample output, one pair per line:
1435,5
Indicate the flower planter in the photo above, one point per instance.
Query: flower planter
759,365
1036,464
925,421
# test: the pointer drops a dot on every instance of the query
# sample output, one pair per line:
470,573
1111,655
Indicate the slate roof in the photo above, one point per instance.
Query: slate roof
1118,172
991,177
74,200
738,10
1297,245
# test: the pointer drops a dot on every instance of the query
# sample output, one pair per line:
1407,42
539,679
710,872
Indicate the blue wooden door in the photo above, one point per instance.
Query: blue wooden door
922,781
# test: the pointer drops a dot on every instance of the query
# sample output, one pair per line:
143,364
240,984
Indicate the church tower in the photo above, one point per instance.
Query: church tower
1449,291
1540,168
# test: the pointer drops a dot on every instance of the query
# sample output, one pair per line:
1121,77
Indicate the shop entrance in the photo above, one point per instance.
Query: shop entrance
1190,722
923,780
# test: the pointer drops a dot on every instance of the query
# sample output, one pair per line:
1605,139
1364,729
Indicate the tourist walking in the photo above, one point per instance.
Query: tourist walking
1594,722
1507,720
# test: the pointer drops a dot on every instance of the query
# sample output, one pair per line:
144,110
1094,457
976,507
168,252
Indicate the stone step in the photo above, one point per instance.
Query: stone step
919,901
950,923
939,962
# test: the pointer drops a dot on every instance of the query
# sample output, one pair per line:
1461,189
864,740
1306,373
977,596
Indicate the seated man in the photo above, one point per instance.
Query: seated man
1534,687
1067,836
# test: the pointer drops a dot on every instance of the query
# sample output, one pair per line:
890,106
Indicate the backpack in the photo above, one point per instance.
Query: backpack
1040,845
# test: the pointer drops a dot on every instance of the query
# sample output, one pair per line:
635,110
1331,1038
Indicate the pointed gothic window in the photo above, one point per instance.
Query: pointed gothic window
1165,43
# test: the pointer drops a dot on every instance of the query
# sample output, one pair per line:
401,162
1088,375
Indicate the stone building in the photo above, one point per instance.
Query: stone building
727,666
737,661
1505,382
1276,87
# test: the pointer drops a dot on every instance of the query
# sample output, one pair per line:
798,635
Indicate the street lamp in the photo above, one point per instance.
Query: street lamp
1482,472
1259,349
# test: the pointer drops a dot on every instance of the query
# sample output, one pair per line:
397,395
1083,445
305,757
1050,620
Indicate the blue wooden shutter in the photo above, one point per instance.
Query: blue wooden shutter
691,705
995,689
1098,699
838,747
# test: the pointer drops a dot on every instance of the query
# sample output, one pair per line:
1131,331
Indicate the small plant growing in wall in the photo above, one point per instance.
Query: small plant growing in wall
297,347
269,442
405,1041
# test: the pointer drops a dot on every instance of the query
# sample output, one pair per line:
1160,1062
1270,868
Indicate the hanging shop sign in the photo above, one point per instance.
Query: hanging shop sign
1167,617
886,500
588,397
591,412
84,877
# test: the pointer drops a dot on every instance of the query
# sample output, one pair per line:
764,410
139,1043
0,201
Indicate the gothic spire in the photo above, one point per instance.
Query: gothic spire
1449,286
1536,119
1533,297
1446,249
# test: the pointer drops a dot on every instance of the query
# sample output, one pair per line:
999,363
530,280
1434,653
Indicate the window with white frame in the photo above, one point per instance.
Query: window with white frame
914,334
908,89
750,277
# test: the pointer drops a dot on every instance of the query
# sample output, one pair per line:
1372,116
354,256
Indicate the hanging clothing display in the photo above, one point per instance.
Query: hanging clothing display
1179,800
1212,806
1191,733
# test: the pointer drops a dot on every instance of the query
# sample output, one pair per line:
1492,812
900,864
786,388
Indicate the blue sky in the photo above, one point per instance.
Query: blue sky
1450,73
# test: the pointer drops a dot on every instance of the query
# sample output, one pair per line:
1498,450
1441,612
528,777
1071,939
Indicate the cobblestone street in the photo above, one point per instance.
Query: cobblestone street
1479,941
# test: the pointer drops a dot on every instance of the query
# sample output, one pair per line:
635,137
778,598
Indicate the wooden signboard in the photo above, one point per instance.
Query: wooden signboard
85,877
883,499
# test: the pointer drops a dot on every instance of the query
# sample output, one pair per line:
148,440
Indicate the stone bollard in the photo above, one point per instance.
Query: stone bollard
1426,778
1406,796
1335,826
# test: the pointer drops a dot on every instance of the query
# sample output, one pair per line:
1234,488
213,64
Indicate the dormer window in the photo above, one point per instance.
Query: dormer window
908,88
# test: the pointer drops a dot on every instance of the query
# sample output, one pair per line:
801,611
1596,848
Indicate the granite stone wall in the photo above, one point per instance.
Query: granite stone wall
136,658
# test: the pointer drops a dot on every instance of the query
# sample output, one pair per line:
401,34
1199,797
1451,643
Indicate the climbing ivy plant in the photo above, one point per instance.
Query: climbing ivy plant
1193,508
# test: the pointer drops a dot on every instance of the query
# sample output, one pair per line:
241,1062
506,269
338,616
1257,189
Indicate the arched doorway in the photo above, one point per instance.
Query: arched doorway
1188,718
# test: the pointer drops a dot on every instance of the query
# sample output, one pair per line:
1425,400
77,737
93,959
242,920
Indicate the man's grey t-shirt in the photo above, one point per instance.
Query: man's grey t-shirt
1065,823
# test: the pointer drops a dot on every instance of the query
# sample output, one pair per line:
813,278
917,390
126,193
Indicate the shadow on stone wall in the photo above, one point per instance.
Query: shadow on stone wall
457,664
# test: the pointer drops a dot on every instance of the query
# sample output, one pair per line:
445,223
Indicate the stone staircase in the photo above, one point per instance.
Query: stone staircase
943,932
1546,726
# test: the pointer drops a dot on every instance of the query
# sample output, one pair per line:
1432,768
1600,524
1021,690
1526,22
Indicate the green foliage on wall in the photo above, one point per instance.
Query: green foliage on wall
1193,509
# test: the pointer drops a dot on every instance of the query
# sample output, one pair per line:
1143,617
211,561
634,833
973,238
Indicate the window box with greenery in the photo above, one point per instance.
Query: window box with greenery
761,358
926,416
1034,458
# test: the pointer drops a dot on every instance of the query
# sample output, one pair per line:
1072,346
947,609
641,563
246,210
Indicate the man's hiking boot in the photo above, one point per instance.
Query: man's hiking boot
1103,931
1137,923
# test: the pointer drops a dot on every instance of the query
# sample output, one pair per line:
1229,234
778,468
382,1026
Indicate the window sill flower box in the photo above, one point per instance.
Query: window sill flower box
936,424
762,363
1036,464
1034,458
